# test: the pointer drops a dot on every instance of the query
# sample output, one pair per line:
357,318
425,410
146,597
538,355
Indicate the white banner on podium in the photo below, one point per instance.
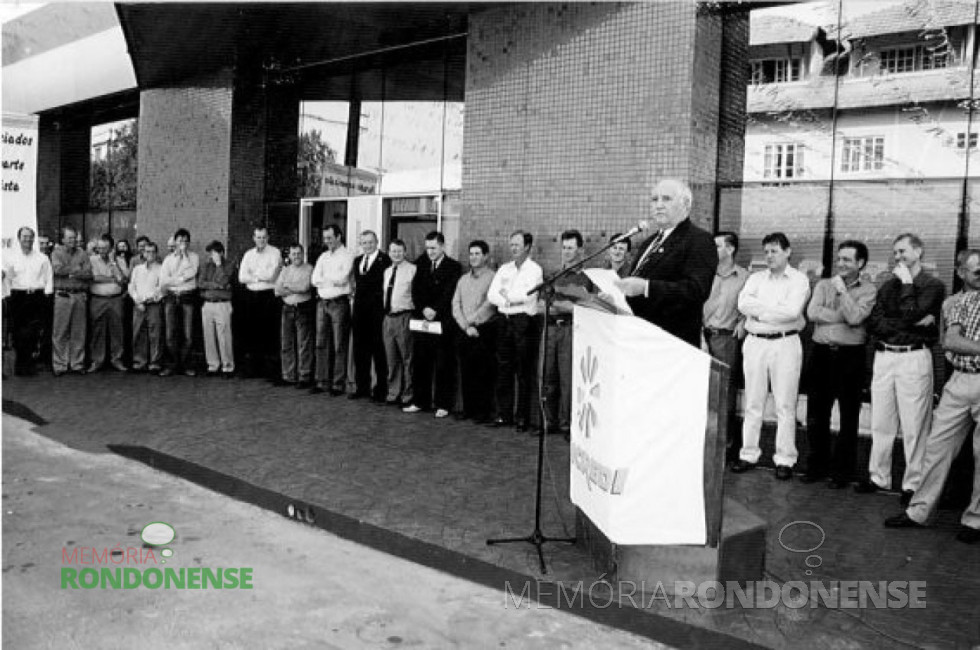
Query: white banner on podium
639,411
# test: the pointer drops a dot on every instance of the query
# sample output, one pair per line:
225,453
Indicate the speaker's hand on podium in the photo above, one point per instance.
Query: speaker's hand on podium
632,286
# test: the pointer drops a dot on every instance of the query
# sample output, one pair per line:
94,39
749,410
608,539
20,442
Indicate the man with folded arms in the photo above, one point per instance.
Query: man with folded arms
838,310
106,307
772,301
31,282
296,336
178,280
905,324
958,412
332,279
214,280
518,330
72,270
398,307
258,272
147,295
473,313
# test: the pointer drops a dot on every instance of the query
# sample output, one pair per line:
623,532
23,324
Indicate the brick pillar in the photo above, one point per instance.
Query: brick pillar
48,177
184,161
573,109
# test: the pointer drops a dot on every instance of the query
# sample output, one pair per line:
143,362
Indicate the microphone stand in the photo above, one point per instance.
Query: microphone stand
537,538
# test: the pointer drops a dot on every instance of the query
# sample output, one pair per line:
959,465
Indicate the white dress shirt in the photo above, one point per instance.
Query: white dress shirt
331,277
774,303
259,271
144,283
516,283
28,272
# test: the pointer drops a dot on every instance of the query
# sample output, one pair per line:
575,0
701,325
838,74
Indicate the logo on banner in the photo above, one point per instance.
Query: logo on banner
588,393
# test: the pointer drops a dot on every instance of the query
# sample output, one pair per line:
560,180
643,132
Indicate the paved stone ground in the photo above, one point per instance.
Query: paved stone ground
454,485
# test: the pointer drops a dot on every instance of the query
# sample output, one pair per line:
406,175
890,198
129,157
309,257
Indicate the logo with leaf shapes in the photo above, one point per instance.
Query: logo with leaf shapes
588,393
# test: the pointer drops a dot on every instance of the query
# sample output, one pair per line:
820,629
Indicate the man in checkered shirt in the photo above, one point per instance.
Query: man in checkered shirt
957,413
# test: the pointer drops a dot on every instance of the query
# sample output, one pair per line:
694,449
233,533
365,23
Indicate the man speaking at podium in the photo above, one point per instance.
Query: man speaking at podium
674,268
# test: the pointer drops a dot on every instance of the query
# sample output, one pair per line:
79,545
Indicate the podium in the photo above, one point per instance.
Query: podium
649,416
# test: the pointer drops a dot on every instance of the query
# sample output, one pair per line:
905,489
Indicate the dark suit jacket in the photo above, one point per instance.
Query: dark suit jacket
369,289
436,290
680,275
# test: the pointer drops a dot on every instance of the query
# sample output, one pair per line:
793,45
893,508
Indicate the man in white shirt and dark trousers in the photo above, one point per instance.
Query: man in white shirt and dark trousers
31,285
518,332
772,301
332,279
258,273
147,295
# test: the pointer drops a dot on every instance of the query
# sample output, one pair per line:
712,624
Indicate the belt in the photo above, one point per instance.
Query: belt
299,305
517,315
716,331
337,299
64,292
399,313
217,300
561,322
835,347
26,292
887,347
775,335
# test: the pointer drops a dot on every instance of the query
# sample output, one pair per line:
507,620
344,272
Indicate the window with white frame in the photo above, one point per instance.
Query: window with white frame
863,154
962,140
776,70
913,58
783,161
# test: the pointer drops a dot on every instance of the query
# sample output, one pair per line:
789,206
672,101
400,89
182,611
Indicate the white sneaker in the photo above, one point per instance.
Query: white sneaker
411,408
442,413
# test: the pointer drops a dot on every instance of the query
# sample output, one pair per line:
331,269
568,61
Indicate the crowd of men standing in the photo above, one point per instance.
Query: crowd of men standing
418,325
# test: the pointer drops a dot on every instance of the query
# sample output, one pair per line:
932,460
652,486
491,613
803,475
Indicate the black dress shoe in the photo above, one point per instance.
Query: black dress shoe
741,466
316,390
838,483
866,487
783,473
902,521
501,422
279,383
968,535
304,385
811,478
906,498
334,392
356,395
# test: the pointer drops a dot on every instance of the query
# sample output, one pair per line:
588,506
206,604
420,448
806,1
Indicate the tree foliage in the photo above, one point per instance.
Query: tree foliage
313,153
113,178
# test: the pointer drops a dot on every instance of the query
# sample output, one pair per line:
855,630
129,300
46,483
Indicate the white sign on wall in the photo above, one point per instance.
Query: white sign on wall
19,175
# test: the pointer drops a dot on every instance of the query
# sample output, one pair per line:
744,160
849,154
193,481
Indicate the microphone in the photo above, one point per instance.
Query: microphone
642,226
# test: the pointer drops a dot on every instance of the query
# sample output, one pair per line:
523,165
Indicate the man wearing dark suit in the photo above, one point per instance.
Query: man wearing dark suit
674,268
369,270
432,292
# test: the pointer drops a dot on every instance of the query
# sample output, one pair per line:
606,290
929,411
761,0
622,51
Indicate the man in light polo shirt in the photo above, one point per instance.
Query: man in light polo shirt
475,316
332,279
398,307
147,295
296,336
106,307
178,281
72,271
724,325
31,283
772,301
518,332
258,272
905,324
839,309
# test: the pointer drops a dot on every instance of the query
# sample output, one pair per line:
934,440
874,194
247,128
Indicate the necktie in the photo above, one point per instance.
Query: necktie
364,267
658,239
390,289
